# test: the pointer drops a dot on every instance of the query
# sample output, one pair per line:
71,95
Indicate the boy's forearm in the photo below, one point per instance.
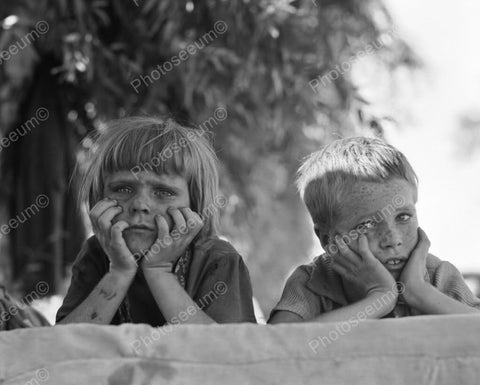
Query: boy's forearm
173,301
429,300
374,306
104,300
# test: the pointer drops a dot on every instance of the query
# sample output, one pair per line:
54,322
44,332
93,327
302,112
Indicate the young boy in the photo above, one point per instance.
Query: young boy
152,187
361,195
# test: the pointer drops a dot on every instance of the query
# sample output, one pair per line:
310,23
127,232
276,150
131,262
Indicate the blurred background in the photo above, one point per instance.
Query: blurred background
286,76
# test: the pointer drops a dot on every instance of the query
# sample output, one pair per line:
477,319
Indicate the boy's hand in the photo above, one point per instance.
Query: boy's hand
110,236
169,246
362,268
414,271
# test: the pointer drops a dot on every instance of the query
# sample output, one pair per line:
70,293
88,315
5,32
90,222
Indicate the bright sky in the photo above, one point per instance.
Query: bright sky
444,35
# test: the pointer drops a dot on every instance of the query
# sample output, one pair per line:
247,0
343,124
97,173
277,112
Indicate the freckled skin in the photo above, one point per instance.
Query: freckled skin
386,204
141,198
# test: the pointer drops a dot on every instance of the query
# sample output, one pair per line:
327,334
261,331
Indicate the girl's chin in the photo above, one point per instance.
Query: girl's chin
139,244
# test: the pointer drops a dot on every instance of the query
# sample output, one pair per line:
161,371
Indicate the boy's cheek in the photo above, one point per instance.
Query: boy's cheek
411,239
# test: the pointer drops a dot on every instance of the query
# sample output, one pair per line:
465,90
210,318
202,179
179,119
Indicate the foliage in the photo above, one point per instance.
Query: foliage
258,70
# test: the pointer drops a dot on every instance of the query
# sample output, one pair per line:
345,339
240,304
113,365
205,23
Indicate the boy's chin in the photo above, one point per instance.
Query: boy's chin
139,244
396,274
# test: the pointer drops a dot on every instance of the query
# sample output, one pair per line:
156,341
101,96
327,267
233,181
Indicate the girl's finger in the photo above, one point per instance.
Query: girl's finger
162,227
104,221
177,216
116,233
100,208
192,219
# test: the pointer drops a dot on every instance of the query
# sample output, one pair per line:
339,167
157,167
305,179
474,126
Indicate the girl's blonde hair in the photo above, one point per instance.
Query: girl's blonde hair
152,144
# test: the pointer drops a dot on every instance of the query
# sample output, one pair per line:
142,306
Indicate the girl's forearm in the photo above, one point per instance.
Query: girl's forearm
104,300
172,300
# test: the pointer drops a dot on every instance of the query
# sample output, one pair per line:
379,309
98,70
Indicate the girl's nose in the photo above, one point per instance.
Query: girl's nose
140,204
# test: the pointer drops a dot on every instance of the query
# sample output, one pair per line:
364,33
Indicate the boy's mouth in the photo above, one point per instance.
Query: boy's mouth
395,263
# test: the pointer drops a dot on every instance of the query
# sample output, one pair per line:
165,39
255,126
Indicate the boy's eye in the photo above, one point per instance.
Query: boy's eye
366,225
404,217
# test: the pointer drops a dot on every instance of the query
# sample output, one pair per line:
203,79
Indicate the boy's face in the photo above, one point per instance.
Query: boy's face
142,196
385,213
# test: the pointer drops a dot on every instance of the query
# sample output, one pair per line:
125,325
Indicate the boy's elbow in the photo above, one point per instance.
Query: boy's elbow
284,316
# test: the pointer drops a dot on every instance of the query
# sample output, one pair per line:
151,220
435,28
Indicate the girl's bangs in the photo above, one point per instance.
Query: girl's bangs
155,150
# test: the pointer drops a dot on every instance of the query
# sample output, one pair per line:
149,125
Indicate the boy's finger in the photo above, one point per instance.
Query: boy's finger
177,216
422,246
347,252
364,248
339,269
342,261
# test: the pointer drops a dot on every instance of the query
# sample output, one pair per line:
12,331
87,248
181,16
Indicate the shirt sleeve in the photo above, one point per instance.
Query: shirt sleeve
225,291
298,298
87,270
450,281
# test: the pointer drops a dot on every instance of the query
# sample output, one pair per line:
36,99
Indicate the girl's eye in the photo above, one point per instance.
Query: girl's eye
123,189
164,193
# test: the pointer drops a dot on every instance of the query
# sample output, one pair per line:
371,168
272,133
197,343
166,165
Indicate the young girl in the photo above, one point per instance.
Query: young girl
152,191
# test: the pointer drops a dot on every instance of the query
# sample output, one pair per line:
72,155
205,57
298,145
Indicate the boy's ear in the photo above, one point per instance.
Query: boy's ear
321,236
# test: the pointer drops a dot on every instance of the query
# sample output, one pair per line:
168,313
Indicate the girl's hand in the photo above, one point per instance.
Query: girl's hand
414,271
110,236
362,268
170,246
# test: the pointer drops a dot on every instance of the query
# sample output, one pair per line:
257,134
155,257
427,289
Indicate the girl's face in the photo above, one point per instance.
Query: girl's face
142,196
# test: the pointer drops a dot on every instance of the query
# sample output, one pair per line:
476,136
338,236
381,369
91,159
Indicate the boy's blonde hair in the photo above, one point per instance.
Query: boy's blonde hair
152,144
325,177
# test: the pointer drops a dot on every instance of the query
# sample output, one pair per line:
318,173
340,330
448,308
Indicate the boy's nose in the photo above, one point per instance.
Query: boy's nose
391,237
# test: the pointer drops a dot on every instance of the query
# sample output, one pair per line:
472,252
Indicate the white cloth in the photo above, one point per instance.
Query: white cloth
417,350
